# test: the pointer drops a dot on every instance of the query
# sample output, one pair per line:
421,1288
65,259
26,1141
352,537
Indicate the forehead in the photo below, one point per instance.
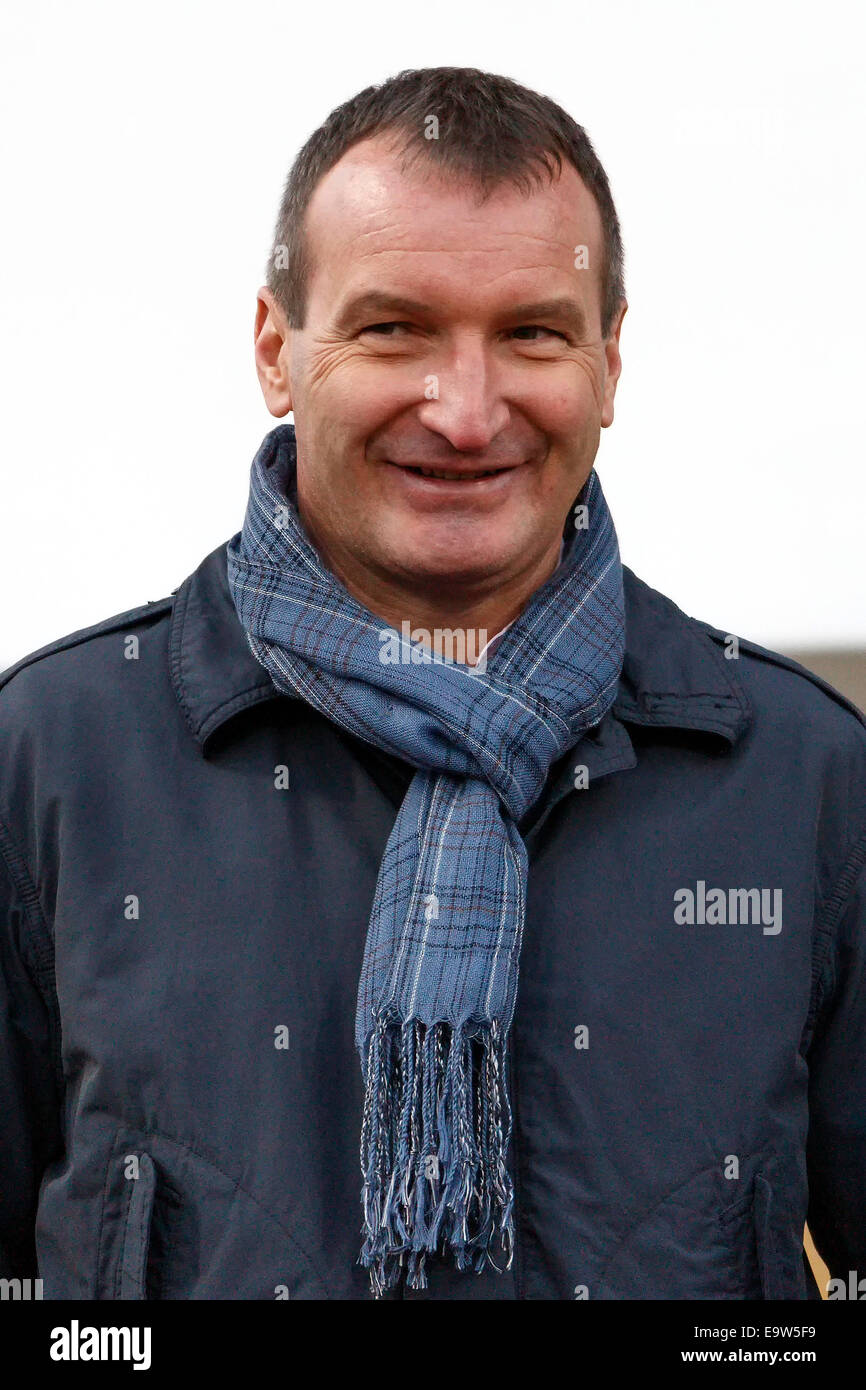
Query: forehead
369,221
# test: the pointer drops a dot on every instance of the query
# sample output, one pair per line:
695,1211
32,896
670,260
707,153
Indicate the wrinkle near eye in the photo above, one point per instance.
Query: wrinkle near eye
326,360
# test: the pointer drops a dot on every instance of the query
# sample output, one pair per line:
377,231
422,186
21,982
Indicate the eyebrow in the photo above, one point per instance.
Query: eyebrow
561,309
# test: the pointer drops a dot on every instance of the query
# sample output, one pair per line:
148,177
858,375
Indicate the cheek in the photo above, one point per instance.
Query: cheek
363,391
559,400
571,397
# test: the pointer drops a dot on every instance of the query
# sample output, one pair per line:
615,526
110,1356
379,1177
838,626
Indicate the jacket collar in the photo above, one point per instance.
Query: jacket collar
674,675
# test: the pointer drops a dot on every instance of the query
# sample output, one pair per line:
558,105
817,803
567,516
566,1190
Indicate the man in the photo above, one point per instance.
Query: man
277,848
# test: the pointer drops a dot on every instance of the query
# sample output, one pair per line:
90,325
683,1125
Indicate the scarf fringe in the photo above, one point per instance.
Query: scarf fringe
436,1128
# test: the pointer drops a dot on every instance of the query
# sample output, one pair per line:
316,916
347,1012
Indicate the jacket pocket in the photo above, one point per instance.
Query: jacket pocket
691,1245
177,1226
779,1244
131,1276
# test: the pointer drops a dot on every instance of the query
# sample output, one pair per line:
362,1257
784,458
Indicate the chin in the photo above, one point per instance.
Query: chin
455,568
453,548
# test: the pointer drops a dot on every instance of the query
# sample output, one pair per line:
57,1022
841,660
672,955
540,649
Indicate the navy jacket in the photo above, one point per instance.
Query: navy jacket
188,864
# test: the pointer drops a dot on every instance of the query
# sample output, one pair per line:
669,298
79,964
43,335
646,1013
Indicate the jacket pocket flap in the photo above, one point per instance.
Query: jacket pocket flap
136,1231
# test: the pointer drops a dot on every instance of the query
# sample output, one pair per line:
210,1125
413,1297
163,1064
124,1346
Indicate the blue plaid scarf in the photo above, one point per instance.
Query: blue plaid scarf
439,976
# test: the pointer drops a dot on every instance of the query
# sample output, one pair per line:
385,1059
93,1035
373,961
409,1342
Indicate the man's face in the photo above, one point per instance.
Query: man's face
449,336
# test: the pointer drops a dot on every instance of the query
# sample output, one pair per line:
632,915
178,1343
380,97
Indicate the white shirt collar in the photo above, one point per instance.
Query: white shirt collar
489,648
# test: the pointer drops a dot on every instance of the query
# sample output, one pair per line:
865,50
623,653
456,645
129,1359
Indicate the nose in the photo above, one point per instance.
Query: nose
463,400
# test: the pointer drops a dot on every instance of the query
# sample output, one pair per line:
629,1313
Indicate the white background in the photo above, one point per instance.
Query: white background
144,152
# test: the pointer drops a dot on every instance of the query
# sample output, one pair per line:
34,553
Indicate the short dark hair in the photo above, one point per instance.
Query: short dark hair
490,130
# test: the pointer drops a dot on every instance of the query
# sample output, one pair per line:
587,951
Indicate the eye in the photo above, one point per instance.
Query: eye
382,329
536,328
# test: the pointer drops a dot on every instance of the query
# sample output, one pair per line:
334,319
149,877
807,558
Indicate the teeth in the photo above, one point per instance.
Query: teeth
456,477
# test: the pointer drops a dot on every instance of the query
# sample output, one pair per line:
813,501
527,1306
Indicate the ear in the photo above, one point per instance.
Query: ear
273,339
613,363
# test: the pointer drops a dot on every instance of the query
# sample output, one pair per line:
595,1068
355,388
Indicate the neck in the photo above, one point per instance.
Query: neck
441,613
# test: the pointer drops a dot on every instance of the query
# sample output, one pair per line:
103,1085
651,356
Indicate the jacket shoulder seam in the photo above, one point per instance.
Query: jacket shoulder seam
74,639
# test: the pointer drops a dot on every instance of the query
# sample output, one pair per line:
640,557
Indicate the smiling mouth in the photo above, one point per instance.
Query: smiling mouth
452,475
